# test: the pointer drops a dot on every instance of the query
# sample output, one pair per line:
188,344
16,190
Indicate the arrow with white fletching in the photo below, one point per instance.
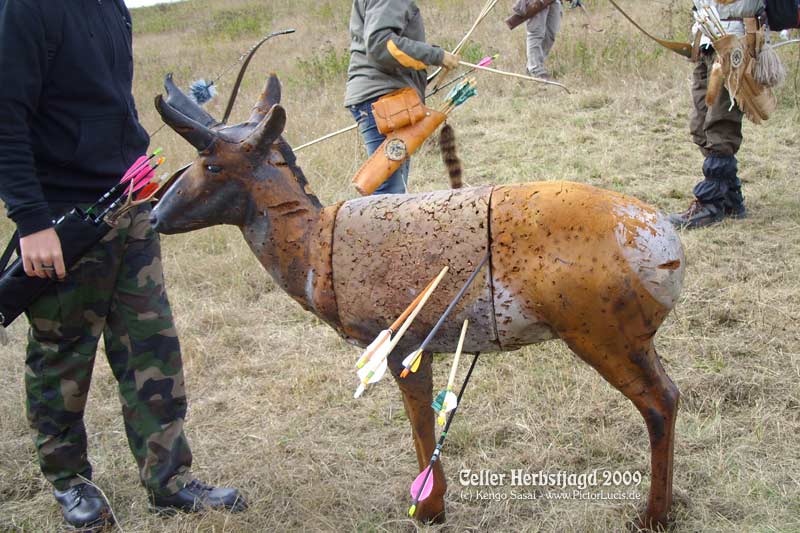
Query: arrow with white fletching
385,335
376,368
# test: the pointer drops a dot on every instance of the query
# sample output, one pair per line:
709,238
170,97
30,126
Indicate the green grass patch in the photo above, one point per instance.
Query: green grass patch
326,66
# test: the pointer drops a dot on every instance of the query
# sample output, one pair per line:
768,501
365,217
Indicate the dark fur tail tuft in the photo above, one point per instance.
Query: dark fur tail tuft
447,143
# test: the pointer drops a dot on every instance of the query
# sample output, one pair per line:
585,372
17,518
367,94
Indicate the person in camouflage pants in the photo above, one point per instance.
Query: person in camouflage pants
69,131
116,290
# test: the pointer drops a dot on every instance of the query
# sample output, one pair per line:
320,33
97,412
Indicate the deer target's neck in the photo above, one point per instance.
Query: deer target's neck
283,215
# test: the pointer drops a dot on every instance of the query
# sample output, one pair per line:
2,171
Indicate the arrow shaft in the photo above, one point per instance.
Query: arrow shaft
326,137
454,303
439,445
415,312
452,378
793,41
514,75
487,8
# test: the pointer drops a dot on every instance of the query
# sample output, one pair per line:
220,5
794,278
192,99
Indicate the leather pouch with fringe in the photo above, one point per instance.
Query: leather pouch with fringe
734,68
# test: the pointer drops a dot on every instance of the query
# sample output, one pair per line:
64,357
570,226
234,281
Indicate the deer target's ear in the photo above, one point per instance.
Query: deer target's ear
268,130
272,92
270,97
197,134
177,100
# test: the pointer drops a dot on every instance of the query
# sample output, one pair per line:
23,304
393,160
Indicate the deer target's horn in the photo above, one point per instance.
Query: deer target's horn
268,130
178,100
197,134
270,97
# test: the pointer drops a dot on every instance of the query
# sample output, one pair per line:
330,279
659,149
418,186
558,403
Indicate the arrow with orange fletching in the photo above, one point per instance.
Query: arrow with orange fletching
375,369
412,361
385,335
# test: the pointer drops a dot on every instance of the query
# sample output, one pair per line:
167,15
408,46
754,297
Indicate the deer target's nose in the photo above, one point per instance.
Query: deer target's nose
155,222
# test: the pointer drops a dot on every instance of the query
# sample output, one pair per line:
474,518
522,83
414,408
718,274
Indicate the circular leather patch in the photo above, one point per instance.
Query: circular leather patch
737,57
396,150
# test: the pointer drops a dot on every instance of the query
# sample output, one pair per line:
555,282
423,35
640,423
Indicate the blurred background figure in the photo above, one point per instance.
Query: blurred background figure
542,21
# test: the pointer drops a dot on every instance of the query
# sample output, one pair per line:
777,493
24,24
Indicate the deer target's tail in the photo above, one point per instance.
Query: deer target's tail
447,143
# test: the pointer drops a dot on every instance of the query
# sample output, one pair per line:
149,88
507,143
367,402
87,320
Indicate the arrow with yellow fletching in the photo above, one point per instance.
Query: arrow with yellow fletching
446,400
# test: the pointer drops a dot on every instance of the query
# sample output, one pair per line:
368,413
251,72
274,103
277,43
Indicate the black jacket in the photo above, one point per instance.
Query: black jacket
68,123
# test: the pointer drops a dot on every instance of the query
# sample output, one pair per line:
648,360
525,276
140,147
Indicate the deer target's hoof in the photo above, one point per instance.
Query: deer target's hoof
430,513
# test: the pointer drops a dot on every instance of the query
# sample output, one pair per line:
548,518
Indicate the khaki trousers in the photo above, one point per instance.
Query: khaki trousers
542,31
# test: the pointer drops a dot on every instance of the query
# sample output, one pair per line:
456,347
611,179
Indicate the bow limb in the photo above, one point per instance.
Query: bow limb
487,8
247,58
682,49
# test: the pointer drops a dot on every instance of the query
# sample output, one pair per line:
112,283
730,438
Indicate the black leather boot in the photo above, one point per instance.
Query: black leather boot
84,507
196,496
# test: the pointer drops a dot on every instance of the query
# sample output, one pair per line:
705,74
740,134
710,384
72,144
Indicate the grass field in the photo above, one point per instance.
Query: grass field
271,408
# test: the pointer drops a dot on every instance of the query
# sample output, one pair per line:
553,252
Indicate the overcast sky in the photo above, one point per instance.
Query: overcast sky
140,3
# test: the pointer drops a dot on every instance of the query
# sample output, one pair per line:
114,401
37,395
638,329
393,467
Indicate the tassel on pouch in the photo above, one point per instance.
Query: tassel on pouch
769,70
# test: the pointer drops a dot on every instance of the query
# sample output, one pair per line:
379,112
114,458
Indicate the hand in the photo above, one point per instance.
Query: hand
41,254
450,60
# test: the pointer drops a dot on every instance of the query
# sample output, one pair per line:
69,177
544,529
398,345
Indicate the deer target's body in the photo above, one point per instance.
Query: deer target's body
597,269
384,247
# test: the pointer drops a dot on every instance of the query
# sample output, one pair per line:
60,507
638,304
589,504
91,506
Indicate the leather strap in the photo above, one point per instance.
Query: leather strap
11,247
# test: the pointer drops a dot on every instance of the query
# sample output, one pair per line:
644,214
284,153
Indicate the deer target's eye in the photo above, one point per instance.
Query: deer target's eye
214,169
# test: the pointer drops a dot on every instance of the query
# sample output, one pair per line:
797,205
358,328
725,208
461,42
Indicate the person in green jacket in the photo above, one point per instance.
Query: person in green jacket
387,52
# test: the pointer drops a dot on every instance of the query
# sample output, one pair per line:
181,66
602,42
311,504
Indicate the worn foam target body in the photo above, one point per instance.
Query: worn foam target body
597,269
561,253
410,239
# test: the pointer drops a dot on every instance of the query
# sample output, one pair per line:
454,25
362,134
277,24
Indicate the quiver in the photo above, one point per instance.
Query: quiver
734,67
526,9
398,146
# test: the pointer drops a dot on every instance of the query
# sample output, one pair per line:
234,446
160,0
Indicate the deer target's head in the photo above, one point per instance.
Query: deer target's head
237,167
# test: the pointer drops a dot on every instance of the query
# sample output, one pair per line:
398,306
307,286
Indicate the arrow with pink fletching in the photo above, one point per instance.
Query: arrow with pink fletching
139,170
422,486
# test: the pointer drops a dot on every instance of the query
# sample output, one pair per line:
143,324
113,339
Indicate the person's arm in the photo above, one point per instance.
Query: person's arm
384,22
23,62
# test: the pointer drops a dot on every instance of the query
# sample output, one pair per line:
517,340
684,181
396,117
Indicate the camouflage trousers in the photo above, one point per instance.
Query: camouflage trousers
117,290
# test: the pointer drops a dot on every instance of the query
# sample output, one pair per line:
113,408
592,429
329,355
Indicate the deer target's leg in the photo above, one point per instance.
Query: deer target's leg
637,373
658,404
417,389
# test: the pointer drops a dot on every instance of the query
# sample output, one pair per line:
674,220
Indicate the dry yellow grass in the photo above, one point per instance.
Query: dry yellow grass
271,407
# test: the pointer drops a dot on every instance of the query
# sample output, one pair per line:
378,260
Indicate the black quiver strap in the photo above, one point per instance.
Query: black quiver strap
77,233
